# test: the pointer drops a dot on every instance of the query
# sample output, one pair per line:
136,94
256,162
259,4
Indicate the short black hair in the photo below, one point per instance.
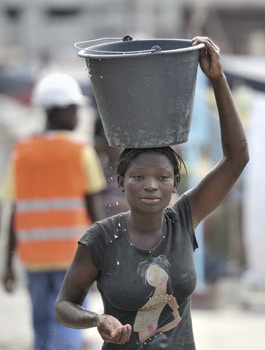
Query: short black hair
128,154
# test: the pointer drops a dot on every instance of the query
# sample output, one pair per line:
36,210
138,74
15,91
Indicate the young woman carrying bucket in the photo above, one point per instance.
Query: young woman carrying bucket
142,260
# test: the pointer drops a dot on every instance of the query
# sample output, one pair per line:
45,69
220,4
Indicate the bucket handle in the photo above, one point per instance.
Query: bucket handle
100,40
77,45
155,48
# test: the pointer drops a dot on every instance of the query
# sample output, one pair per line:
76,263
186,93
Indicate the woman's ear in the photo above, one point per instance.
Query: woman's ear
176,181
120,180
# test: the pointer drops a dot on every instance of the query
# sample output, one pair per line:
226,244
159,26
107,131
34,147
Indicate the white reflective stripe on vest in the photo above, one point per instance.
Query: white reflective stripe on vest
31,205
49,233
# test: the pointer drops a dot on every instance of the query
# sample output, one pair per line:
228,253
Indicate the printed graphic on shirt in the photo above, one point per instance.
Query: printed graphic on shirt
155,273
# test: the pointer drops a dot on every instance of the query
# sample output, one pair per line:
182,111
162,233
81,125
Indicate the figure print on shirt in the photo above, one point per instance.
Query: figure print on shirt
155,272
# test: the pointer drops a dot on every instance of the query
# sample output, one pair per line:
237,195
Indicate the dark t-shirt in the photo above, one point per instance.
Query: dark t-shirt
150,289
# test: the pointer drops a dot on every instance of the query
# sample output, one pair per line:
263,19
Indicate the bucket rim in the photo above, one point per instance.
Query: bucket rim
95,52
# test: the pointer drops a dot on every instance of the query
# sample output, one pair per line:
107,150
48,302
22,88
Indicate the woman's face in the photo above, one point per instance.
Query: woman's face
149,182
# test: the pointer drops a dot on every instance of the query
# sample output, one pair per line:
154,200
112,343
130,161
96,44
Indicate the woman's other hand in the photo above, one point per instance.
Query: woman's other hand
112,331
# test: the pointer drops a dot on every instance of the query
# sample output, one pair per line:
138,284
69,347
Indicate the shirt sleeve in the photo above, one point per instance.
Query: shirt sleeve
96,243
182,206
95,177
7,191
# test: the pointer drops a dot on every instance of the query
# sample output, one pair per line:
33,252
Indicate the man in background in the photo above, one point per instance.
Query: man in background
55,183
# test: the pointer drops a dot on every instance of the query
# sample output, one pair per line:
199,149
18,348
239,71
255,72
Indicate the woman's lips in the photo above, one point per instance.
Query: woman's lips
150,199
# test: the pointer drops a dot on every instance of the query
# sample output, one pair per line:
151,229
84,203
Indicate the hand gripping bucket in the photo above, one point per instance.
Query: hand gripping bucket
144,89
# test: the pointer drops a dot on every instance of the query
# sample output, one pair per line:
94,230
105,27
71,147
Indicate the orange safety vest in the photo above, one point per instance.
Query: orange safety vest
50,214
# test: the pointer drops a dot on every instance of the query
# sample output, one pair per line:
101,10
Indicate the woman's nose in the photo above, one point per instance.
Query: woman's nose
150,184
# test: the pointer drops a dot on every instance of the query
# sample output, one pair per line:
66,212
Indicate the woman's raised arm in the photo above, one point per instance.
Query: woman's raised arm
209,193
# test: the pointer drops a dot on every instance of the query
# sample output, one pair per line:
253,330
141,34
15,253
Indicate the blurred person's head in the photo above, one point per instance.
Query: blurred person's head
60,96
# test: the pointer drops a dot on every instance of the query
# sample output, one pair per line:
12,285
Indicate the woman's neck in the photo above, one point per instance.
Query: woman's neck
144,231
144,224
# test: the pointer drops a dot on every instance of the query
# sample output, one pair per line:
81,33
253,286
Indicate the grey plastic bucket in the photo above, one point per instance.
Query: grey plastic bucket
144,89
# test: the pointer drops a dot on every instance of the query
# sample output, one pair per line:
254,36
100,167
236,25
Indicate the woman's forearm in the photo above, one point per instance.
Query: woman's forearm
233,137
74,316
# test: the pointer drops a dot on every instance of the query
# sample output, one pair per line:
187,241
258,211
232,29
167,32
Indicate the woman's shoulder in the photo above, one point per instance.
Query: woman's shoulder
180,208
101,234
105,231
180,218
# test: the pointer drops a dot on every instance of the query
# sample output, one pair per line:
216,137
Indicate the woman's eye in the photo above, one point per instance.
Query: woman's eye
163,177
138,177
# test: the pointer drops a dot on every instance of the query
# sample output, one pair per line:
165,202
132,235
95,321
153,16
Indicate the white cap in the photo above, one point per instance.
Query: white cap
57,90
